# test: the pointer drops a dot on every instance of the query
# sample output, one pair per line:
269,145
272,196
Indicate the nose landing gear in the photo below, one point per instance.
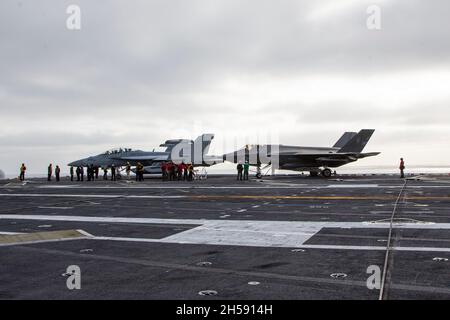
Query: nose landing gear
258,172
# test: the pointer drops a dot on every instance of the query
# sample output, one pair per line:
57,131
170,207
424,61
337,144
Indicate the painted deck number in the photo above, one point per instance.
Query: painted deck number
74,277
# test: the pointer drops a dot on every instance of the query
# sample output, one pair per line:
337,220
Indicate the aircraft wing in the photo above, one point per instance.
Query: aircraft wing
367,154
332,159
210,160
145,158
337,156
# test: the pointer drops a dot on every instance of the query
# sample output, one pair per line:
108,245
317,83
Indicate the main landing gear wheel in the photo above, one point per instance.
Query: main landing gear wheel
326,173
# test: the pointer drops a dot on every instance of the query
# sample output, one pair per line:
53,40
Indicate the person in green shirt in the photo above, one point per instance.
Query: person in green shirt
246,168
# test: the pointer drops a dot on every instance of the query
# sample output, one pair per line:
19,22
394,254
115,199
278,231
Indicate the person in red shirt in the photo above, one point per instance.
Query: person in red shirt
180,170
170,170
164,171
402,168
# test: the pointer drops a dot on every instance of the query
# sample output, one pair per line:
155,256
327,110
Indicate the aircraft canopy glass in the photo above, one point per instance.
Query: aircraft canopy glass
117,150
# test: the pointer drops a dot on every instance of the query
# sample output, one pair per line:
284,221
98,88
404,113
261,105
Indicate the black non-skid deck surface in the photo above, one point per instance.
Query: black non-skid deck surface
189,237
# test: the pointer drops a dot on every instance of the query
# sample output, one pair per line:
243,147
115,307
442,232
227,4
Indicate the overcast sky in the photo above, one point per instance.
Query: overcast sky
141,72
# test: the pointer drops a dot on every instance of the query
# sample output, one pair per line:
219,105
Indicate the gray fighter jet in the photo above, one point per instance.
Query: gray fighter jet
313,159
176,150
108,158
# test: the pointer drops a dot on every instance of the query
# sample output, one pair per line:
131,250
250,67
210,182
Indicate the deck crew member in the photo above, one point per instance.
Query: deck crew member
113,172
402,168
140,171
92,172
239,168
246,168
57,172
174,171
180,170
78,172
89,172
128,170
185,171
170,170
164,171
23,168
50,172
190,172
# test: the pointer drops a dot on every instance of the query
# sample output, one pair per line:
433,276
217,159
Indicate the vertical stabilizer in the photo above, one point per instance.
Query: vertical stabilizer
358,142
346,137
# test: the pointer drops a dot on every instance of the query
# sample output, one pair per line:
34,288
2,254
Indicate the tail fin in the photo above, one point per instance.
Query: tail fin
204,141
358,142
170,144
346,137
189,151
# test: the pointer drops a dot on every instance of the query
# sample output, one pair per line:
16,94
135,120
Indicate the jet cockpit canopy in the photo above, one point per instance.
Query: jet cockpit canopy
117,151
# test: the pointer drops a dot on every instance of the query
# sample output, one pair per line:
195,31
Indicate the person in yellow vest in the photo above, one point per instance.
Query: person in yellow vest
128,170
23,168
190,172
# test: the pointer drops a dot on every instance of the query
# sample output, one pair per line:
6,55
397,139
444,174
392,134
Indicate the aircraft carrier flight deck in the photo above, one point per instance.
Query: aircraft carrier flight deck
282,237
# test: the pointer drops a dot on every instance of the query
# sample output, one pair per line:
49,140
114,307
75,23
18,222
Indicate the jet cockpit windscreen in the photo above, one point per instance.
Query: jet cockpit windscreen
117,151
